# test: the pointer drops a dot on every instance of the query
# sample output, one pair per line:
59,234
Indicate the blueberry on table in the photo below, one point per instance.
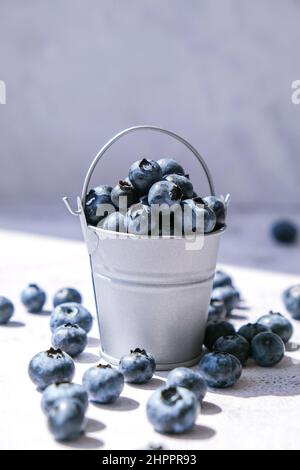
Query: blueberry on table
6,310
126,192
250,330
164,192
138,219
66,419
229,295
48,367
172,410
291,299
73,313
215,330
137,367
95,198
236,345
220,369
197,217
169,166
183,183
114,222
103,383
267,349
278,324
218,206
34,298
66,294
221,279
143,174
284,231
187,378
70,338
216,311
56,391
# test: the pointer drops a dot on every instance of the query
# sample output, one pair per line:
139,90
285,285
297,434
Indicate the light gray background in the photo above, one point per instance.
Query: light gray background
219,72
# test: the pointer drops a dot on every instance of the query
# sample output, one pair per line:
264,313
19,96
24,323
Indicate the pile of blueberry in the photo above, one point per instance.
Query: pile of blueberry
138,203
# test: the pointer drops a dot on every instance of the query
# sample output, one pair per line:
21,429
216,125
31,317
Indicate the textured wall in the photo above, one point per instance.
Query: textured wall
218,72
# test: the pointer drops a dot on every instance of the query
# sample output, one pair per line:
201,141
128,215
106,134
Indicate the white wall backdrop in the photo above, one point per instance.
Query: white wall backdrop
217,71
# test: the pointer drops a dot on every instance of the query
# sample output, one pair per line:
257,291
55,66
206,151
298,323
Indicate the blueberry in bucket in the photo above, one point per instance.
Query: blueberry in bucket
184,184
73,313
197,217
164,192
34,298
114,222
138,219
48,367
170,167
103,383
70,338
6,310
94,199
138,367
67,294
218,206
143,174
172,410
124,189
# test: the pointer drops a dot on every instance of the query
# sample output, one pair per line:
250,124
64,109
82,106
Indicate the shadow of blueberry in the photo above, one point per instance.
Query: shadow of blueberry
197,432
121,404
93,342
93,425
87,358
85,442
208,408
153,384
13,324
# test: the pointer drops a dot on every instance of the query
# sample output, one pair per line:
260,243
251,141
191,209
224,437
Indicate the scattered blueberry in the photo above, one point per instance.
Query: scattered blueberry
125,190
278,324
197,217
218,206
103,383
73,313
34,298
70,338
284,231
66,294
164,192
250,330
51,366
236,345
95,198
66,419
169,166
114,222
291,299
221,279
56,391
138,219
172,410
143,174
267,349
229,295
6,310
138,367
187,378
215,330
183,183
216,311
220,369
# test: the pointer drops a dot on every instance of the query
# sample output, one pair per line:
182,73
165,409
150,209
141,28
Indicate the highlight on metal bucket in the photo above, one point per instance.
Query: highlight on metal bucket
153,247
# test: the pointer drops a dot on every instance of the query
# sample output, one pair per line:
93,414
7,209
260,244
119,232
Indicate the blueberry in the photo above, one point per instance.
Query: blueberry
66,419
169,166
250,330
215,330
183,183
70,338
6,310
284,231
218,206
229,295
73,313
143,174
95,198
278,324
267,349
236,345
34,298
138,367
220,369
114,222
103,383
138,219
221,279
144,200
164,192
291,299
124,190
197,217
56,391
172,410
51,366
187,378
216,311
67,294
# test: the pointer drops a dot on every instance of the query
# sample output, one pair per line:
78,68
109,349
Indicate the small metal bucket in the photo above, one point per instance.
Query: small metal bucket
151,293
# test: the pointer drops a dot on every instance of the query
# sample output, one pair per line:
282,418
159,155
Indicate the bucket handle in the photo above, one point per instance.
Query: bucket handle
123,133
